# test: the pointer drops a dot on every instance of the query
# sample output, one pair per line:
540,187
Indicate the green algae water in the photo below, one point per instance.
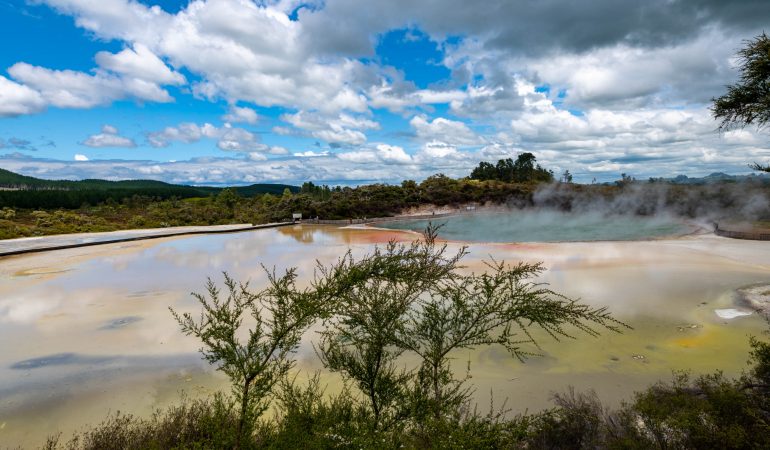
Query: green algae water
547,226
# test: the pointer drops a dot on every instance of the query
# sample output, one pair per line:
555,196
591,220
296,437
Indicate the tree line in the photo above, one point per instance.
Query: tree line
524,170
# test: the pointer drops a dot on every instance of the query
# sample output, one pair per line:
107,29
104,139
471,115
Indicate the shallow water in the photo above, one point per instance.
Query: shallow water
88,331
546,226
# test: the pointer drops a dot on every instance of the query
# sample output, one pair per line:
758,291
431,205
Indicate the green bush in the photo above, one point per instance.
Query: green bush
197,424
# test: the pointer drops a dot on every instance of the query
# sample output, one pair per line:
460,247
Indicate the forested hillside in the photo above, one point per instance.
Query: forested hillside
20,191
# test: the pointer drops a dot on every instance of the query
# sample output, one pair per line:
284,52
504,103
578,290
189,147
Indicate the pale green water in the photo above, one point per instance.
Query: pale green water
546,226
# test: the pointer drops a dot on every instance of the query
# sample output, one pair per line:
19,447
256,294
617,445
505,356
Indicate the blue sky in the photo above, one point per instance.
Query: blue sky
240,91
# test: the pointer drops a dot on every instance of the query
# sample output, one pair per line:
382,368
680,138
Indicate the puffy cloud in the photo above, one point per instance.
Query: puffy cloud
80,157
398,97
341,136
17,99
228,138
497,151
342,129
118,19
441,129
255,156
380,154
439,150
392,153
311,154
242,50
72,89
139,63
359,157
622,76
186,133
132,73
238,114
109,137
238,140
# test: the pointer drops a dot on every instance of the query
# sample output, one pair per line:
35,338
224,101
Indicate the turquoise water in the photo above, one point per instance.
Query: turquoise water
546,226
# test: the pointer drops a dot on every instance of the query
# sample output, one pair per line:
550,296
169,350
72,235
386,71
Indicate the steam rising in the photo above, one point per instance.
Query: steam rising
734,202
561,212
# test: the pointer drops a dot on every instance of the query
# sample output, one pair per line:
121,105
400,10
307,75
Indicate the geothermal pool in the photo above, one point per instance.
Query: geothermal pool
87,331
547,226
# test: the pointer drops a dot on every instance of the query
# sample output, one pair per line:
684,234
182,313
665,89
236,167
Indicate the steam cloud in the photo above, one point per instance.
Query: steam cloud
731,202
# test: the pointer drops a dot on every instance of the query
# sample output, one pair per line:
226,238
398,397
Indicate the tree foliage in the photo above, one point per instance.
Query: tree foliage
431,311
361,341
524,170
498,307
280,316
748,101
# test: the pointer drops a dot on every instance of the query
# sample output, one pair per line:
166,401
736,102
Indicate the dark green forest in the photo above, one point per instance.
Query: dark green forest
20,191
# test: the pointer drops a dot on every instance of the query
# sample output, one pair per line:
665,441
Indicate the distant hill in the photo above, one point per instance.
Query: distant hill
717,177
29,192
712,178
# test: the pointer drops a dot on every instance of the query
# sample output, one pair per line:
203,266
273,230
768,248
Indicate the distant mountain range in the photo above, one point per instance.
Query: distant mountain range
717,177
14,181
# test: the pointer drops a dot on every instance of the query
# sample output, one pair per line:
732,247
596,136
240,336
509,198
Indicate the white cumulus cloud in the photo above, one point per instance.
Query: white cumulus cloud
451,132
17,99
109,137
336,129
139,63
238,114
72,89
227,137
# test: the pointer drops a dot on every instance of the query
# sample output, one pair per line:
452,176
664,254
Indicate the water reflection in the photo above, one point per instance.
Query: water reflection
91,332
61,359
120,322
